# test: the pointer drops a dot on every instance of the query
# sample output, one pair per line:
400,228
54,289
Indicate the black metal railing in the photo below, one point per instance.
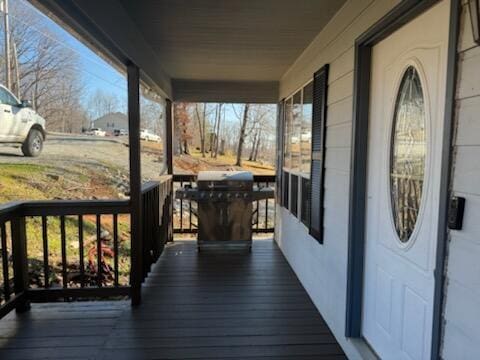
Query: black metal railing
184,211
65,249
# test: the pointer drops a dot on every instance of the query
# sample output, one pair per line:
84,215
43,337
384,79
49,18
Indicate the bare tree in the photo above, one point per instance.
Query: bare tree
217,130
48,71
201,117
152,114
182,122
101,103
241,139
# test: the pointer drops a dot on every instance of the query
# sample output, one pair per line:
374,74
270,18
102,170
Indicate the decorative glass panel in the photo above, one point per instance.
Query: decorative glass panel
408,151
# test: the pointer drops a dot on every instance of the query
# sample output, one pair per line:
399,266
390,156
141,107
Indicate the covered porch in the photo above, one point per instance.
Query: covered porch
353,260
182,304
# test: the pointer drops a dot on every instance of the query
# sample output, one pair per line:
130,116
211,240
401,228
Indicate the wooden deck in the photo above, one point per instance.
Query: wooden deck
195,306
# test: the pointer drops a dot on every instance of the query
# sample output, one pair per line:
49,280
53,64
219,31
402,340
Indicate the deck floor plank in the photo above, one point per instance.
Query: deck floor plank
195,306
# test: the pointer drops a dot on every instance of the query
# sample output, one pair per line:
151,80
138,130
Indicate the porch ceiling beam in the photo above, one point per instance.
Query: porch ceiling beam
225,91
106,27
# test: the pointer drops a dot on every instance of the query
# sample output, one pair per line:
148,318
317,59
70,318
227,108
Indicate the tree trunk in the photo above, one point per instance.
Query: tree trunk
217,130
203,129
241,139
212,133
222,147
254,142
257,145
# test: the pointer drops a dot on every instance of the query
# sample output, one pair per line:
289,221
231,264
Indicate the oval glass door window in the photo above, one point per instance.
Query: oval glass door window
407,154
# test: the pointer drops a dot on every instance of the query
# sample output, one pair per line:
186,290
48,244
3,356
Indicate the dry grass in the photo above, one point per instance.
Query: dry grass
39,182
194,163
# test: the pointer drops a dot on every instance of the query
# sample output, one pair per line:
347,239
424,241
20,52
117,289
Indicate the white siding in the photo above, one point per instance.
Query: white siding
322,269
462,295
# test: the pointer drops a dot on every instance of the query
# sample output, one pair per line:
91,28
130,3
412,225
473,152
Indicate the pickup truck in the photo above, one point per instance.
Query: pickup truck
146,135
20,124
96,132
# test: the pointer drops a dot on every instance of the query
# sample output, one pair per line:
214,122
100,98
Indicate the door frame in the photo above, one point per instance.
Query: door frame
400,15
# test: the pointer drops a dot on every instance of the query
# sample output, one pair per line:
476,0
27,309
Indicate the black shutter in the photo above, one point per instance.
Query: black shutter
285,184
294,194
305,202
279,170
320,86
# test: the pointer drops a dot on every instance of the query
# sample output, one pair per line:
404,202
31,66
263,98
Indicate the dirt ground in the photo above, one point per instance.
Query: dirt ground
193,163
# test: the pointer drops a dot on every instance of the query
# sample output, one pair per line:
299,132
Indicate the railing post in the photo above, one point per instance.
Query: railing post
20,262
135,183
169,201
169,152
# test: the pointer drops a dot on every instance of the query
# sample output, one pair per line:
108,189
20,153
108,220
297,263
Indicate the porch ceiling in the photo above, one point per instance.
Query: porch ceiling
247,40
209,44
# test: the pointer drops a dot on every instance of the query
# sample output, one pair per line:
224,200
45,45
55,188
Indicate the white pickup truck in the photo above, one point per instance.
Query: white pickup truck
147,135
20,124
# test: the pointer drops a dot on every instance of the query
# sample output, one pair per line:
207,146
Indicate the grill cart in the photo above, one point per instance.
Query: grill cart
224,208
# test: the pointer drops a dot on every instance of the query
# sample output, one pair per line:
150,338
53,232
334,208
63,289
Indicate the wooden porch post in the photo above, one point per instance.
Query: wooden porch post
20,264
169,144
135,183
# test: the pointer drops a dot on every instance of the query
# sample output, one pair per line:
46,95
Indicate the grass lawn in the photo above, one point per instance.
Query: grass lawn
39,182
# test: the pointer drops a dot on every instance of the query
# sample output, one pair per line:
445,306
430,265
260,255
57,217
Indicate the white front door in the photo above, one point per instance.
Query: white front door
403,188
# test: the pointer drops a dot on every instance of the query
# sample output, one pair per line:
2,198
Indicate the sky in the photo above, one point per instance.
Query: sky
97,74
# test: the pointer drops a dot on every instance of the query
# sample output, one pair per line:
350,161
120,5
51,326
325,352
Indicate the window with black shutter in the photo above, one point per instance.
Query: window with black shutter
305,205
320,86
294,194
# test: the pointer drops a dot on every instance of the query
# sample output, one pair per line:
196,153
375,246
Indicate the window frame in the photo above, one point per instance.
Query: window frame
288,170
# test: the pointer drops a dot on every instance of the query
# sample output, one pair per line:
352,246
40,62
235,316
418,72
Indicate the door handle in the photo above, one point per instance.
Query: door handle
6,110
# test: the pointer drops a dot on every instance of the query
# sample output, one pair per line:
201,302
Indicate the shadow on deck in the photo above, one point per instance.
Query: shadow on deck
195,306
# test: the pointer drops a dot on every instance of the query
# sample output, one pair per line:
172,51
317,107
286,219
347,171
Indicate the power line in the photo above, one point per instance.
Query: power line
60,42
78,53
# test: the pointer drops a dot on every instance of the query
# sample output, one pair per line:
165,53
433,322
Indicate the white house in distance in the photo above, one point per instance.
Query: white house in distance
111,122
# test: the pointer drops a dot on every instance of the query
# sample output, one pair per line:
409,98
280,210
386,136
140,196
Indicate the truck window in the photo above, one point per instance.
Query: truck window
6,98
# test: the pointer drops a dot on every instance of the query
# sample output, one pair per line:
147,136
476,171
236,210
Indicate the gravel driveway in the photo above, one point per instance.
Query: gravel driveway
85,151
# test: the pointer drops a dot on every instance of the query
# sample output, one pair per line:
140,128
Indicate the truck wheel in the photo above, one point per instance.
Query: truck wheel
33,145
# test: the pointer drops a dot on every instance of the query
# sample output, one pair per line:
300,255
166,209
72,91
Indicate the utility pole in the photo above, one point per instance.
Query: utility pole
7,44
17,69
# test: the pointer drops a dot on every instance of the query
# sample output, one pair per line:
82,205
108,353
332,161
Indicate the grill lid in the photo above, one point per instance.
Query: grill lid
225,180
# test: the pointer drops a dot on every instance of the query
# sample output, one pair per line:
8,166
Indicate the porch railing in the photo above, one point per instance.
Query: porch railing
184,211
66,249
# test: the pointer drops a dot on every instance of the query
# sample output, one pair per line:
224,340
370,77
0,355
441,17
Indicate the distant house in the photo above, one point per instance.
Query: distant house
111,122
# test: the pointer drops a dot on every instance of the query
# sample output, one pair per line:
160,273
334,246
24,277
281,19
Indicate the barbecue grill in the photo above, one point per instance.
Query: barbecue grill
225,210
